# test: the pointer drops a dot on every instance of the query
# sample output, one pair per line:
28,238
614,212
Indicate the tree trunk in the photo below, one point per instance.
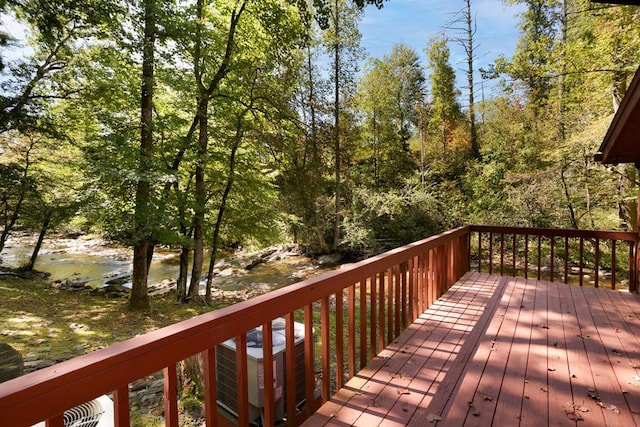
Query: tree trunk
139,298
336,116
475,146
43,231
181,284
223,205
201,200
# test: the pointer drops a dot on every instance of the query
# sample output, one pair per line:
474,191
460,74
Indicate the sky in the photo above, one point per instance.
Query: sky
414,22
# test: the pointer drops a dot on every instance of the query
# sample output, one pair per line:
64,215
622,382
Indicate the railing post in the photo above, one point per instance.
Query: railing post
309,364
290,362
324,336
171,395
633,281
57,421
121,407
267,372
210,387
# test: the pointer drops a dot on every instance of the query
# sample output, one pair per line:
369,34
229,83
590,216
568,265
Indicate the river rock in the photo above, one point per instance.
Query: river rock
119,280
11,364
330,260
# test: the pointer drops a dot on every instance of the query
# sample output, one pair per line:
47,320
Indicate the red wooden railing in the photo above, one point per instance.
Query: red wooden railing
577,256
366,305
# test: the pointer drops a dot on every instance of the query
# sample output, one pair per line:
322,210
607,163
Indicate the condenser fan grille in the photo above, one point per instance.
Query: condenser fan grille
86,415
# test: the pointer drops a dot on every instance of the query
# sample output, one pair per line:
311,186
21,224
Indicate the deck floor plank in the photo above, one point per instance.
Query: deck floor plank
466,393
535,402
629,366
560,397
605,389
503,351
509,402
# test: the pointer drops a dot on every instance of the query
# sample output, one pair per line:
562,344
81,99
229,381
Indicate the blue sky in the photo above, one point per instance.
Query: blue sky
414,22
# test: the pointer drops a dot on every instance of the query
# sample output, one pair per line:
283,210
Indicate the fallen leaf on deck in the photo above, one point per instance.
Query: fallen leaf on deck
612,408
572,412
617,353
593,394
544,389
488,398
403,390
431,417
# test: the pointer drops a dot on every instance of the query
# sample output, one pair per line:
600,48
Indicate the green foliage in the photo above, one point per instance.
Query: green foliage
393,164
389,96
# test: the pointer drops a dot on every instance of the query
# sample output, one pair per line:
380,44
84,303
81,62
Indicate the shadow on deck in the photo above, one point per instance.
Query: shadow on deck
503,351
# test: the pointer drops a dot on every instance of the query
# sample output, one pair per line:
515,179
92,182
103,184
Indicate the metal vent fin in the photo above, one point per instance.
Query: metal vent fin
86,415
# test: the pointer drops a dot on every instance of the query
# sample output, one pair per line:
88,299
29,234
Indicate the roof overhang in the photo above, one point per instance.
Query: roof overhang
622,142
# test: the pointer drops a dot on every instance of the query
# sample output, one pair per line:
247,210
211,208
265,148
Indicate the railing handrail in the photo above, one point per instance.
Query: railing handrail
557,232
36,396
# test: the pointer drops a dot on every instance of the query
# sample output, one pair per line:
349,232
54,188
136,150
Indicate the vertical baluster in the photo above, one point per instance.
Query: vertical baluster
121,407
433,278
501,254
566,259
553,255
413,295
381,312
309,359
404,270
596,278
290,361
267,372
613,263
514,252
490,253
325,329
398,300
632,267
581,254
363,323
373,307
210,387
426,280
539,257
351,319
242,380
479,252
526,256
390,304
339,339
171,396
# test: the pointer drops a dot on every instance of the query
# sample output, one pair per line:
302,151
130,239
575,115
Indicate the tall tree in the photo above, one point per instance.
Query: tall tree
465,24
139,298
343,43
444,105
390,95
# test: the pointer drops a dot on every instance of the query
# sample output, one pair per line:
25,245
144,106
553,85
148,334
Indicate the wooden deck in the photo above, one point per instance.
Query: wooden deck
504,351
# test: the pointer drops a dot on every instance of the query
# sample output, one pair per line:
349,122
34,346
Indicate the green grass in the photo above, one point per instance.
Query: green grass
50,324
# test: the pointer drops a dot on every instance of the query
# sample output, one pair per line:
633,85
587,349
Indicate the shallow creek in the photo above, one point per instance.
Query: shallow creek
94,261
